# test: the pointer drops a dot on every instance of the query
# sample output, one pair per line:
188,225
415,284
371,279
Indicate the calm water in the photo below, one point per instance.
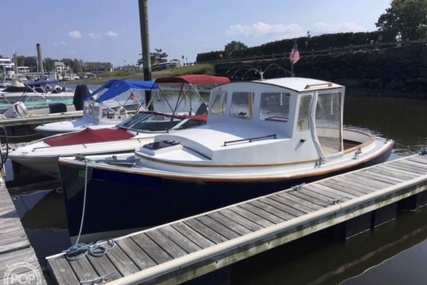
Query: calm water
395,253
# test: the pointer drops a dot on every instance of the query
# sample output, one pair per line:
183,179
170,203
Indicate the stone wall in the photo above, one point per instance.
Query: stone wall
399,70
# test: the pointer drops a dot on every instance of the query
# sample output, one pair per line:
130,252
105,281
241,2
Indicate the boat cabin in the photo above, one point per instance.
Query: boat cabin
264,122
287,107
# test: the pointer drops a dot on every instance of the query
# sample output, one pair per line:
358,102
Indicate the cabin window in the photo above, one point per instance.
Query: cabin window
241,105
328,122
274,106
304,113
219,102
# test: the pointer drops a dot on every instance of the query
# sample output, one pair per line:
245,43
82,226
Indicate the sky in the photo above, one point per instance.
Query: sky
109,30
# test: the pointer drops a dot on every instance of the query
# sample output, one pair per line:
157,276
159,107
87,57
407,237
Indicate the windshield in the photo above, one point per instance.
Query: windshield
159,122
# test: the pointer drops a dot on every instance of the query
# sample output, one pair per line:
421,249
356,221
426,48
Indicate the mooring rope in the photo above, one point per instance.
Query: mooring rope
79,250
96,249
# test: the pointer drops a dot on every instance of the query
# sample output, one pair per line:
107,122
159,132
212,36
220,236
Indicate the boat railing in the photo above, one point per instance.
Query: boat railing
250,139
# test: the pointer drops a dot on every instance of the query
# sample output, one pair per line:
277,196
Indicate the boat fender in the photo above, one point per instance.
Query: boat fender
16,110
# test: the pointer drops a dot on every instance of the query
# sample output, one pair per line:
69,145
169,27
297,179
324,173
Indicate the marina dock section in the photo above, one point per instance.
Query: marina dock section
25,125
18,261
183,250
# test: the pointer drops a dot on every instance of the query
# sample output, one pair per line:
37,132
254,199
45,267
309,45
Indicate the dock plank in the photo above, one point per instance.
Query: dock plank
218,227
123,262
420,159
104,268
297,208
407,167
382,178
206,232
12,257
391,173
306,200
136,253
365,182
341,187
83,269
229,223
166,244
261,213
318,197
250,215
181,240
193,235
419,164
394,171
62,271
151,248
240,220
353,185
273,207
333,193
286,212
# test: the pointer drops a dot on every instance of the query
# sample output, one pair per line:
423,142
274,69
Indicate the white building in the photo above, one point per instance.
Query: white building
7,66
60,67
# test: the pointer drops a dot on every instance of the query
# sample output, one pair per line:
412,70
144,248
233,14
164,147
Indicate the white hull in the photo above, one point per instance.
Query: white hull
368,150
43,158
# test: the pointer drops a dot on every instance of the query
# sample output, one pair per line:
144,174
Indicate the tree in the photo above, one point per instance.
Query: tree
233,46
20,60
405,17
158,57
31,62
49,64
77,68
69,63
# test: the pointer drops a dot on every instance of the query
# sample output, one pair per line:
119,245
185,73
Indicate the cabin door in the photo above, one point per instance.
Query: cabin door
328,124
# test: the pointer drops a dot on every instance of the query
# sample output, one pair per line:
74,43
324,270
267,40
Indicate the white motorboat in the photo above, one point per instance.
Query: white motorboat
37,94
261,137
105,107
42,155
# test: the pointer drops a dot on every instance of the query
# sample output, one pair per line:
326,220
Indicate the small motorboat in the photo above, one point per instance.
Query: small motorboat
105,107
176,98
35,95
260,137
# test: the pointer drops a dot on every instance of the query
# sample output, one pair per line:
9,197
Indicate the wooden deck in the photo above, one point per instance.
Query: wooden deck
15,248
185,249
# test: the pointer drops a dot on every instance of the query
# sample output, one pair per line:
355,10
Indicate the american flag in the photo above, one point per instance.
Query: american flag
294,56
132,96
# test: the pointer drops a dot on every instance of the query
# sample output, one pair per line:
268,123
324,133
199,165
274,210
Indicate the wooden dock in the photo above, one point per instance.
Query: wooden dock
189,248
17,256
19,130
40,119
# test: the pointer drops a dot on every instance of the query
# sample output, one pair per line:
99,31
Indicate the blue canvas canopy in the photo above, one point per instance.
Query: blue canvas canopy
118,86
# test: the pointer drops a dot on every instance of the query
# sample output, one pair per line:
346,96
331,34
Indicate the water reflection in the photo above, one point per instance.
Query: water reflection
318,260
42,214
403,120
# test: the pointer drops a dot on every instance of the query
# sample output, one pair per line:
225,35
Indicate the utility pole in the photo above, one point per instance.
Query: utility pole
39,58
145,40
